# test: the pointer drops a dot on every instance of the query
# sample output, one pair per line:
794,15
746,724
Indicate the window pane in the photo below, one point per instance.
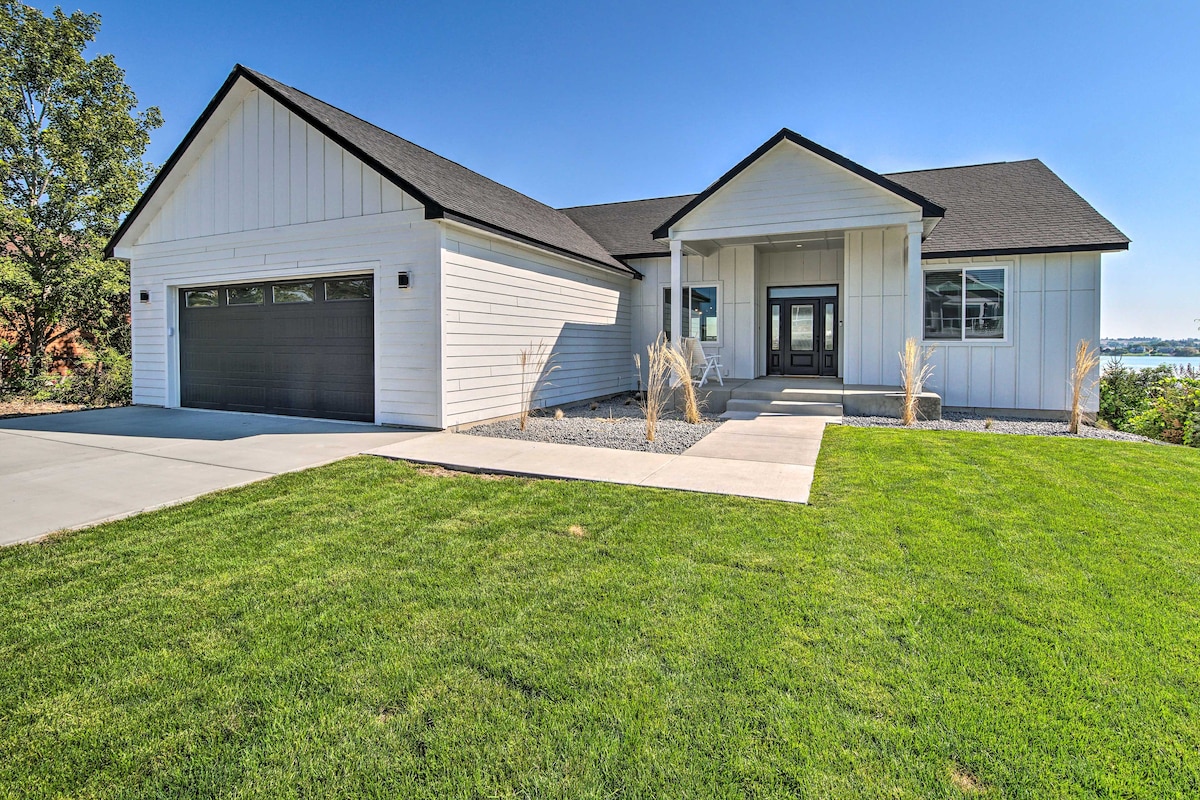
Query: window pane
802,327
775,327
702,313
244,296
200,298
985,304
292,293
666,328
348,289
829,324
943,305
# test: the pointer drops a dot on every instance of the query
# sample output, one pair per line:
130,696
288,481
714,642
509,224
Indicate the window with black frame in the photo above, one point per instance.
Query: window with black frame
964,304
700,313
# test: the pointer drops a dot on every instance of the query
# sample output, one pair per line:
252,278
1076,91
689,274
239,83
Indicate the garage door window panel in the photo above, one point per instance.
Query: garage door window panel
201,298
284,293
245,296
348,289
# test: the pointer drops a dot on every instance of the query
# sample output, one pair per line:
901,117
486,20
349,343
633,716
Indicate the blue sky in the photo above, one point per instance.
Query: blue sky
576,103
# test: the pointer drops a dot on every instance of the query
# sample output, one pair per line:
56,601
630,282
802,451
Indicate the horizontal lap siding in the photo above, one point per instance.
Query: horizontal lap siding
406,337
1053,303
499,299
787,185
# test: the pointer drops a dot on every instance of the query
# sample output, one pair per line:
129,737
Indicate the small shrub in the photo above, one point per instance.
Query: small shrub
1125,392
1171,412
558,413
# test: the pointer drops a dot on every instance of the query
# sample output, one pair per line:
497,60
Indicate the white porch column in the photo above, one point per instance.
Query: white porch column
676,290
915,283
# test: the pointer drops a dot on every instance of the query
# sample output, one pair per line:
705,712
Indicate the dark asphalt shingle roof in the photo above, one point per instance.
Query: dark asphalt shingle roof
990,208
625,228
1008,206
452,186
446,189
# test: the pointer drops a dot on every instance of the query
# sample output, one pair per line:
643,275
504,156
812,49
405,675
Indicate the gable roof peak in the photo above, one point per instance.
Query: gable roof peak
927,206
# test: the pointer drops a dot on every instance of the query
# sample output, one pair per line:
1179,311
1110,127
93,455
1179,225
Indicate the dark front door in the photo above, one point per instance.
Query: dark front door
300,347
802,336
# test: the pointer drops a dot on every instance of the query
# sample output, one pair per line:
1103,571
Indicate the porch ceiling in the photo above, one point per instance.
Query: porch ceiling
775,243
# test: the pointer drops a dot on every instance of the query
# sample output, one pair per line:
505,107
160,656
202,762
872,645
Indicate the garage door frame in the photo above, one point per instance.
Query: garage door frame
334,270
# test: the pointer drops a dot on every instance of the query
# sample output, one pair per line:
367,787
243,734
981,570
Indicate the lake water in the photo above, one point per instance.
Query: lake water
1136,362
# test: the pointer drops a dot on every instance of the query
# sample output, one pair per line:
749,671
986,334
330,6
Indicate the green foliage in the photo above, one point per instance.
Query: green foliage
71,146
1125,392
103,378
1171,412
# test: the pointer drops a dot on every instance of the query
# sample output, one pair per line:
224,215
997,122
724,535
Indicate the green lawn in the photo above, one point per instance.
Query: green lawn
956,614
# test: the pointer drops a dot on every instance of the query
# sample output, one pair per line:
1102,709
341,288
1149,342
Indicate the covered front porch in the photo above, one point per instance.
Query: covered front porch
797,262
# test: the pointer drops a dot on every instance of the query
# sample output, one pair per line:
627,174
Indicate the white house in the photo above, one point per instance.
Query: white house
292,258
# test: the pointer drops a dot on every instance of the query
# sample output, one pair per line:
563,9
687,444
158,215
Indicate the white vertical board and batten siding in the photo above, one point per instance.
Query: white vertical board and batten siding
499,298
1053,302
264,167
732,270
792,189
875,290
263,197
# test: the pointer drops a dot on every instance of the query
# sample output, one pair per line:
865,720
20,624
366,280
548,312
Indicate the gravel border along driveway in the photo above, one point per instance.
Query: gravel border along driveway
612,424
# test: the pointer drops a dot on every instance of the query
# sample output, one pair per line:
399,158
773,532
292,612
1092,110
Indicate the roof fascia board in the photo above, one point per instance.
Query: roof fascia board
1103,247
928,207
461,220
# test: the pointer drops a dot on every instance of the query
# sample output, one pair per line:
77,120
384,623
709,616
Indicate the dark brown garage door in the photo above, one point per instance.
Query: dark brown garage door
304,348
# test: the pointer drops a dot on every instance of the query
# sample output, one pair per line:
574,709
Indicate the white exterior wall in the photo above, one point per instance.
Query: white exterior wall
873,307
1053,302
263,167
262,196
500,298
732,270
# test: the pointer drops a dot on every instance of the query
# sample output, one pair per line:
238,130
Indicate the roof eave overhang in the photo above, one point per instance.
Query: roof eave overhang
1103,247
462,219
927,206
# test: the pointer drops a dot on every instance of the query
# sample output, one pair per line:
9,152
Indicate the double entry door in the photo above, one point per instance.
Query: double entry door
802,336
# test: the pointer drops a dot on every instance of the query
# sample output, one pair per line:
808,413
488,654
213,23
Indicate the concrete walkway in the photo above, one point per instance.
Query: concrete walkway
770,457
61,471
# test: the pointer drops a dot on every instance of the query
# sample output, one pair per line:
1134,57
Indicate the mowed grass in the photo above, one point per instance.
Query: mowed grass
956,615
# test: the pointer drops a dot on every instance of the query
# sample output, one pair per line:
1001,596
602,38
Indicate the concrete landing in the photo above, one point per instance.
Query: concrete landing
767,457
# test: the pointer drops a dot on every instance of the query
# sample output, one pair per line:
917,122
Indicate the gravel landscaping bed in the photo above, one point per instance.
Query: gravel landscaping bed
960,421
612,424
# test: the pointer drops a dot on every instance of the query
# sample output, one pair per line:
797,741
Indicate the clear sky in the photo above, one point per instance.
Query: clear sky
575,103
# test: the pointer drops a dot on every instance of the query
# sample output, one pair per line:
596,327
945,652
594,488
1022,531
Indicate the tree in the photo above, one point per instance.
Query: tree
71,147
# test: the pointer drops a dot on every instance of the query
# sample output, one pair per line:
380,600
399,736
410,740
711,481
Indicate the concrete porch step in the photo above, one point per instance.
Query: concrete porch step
796,408
798,395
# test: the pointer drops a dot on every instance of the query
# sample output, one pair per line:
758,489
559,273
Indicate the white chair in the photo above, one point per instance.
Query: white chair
698,360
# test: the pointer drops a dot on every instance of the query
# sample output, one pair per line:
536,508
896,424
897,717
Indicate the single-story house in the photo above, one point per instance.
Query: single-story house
292,258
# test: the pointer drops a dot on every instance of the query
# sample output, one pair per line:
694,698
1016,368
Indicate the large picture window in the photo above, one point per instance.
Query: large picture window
965,304
700,313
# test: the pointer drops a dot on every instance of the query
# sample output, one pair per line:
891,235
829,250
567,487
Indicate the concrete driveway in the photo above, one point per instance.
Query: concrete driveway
70,470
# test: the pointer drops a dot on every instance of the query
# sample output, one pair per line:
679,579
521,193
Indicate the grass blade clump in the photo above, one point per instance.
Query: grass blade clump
1083,378
915,370
536,367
